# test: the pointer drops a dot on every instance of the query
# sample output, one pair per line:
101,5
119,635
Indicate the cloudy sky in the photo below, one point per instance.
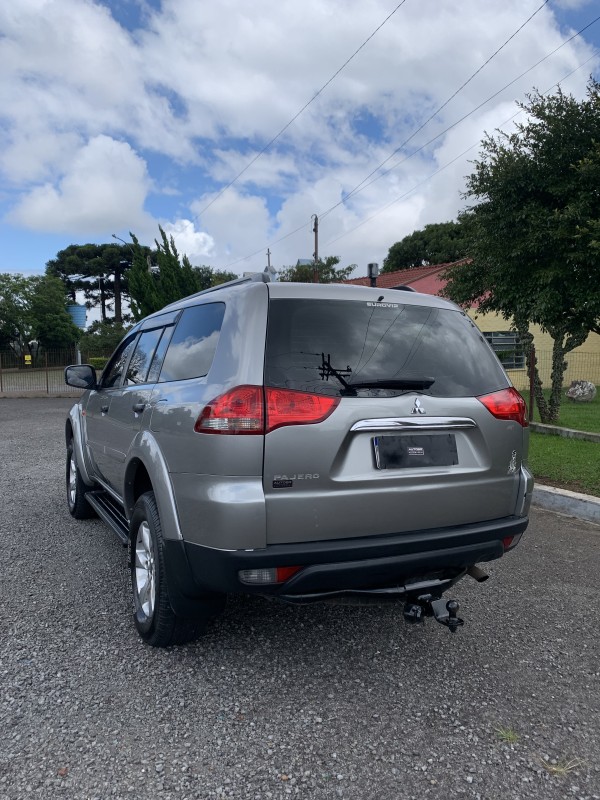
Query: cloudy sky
231,123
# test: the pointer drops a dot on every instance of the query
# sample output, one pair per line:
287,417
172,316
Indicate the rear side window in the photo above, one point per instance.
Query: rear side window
193,344
139,364
326,346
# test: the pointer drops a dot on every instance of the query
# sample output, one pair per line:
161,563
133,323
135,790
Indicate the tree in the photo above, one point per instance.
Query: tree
97,270
15,320
304,273
33,309
165,278
101,338
438,243
208,277
51,324
534,234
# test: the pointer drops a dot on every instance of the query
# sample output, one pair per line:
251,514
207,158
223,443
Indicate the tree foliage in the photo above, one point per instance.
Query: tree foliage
34,309
534,234
81,267
438,243
164,277
327,269
101,338
51,323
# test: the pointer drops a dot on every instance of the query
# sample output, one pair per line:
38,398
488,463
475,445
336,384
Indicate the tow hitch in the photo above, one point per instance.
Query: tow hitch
444,611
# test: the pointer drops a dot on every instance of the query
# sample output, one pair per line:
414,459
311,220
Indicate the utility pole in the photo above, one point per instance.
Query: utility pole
316,253
269,259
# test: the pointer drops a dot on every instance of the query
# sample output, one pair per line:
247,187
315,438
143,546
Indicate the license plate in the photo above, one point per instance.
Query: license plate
410,452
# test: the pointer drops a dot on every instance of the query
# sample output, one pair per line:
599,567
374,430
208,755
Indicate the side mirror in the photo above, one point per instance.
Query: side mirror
82,376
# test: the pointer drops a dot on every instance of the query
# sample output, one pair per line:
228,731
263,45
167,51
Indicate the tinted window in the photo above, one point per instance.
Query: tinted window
192,347
141,358
319,346
159,355
114,371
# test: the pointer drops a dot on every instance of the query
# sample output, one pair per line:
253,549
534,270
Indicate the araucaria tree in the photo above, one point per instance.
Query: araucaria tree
534,232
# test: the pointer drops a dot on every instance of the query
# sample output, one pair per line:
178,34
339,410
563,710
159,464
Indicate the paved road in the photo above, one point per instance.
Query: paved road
319,702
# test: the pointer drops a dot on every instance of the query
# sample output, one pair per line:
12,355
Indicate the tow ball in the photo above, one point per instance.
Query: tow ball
444,611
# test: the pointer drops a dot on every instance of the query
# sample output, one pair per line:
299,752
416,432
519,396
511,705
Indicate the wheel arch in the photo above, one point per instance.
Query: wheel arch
147,471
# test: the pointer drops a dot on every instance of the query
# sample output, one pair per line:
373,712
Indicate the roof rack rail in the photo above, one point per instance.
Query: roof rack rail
255,277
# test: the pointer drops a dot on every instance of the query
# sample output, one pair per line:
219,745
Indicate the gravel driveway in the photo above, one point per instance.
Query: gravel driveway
275,701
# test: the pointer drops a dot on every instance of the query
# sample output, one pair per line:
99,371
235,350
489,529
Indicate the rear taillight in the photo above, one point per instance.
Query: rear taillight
242,410
506,404
239,411
289,407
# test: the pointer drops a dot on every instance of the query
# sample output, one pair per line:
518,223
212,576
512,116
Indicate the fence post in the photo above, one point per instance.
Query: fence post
47,381
531,382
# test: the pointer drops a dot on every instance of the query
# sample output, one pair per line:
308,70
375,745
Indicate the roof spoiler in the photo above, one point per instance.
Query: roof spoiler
403,288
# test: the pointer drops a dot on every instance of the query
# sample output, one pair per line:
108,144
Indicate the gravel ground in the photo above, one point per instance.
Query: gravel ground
315,702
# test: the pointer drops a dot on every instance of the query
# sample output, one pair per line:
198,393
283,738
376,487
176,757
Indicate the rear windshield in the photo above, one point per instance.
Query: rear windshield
330,347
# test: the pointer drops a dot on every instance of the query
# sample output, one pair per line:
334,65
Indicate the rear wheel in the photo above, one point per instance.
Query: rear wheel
154,618
76,488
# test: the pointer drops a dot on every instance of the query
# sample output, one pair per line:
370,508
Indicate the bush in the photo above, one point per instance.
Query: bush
98,362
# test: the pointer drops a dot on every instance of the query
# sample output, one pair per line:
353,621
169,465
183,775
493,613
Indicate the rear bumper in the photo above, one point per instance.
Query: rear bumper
354,564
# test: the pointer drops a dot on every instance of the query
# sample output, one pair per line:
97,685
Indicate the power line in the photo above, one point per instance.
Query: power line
437,111
364,185
361,187
449,163
295,117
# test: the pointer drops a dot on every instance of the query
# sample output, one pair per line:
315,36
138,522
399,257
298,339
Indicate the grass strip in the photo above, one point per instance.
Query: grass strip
567,463
579,416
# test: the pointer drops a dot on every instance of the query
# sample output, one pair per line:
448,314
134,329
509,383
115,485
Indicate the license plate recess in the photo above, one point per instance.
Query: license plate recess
409,452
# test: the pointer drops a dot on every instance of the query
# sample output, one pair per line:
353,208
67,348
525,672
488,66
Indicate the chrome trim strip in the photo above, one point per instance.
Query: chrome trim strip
413,424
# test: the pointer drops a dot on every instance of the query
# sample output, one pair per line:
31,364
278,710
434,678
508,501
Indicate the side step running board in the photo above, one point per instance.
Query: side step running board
110,512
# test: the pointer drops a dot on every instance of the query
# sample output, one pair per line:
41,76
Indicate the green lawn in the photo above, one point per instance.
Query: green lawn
580,416
568,463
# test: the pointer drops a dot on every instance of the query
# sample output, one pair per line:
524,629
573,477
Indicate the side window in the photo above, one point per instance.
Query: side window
114,371
159,355
192,347
139,364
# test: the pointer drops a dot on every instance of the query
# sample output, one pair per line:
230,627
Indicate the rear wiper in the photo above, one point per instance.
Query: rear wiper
403,383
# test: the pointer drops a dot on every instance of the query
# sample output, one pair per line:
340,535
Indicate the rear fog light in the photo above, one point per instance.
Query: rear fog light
511,541
264,577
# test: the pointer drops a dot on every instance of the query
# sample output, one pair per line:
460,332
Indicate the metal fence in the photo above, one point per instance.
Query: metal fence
580,366
44,371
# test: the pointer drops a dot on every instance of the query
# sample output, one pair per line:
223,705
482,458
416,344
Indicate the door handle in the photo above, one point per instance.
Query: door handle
104,409
139,407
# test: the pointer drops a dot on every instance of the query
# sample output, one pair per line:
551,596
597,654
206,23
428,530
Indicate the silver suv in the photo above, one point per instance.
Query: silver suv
305,442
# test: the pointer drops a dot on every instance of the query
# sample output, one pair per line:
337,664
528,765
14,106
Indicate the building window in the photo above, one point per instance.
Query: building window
507,346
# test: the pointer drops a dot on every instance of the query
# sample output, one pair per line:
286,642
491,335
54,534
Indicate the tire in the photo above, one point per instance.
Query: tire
155,620
76,489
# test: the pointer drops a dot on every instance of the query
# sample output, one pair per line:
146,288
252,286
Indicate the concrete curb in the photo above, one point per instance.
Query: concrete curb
566,433
573,504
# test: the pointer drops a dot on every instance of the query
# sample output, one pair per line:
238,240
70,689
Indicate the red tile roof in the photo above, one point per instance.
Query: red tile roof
406,277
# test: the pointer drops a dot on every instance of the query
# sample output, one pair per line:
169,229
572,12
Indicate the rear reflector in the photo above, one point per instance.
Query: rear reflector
263,577
511,541
242,410
506,404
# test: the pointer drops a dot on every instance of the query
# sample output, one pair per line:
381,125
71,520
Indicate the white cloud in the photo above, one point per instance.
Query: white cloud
98,123
196,244
104,187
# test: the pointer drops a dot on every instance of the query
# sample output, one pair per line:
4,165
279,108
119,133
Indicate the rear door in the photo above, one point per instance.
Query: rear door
409,446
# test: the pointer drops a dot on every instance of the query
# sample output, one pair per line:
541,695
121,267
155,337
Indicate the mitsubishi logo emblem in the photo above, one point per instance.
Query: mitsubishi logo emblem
417,408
